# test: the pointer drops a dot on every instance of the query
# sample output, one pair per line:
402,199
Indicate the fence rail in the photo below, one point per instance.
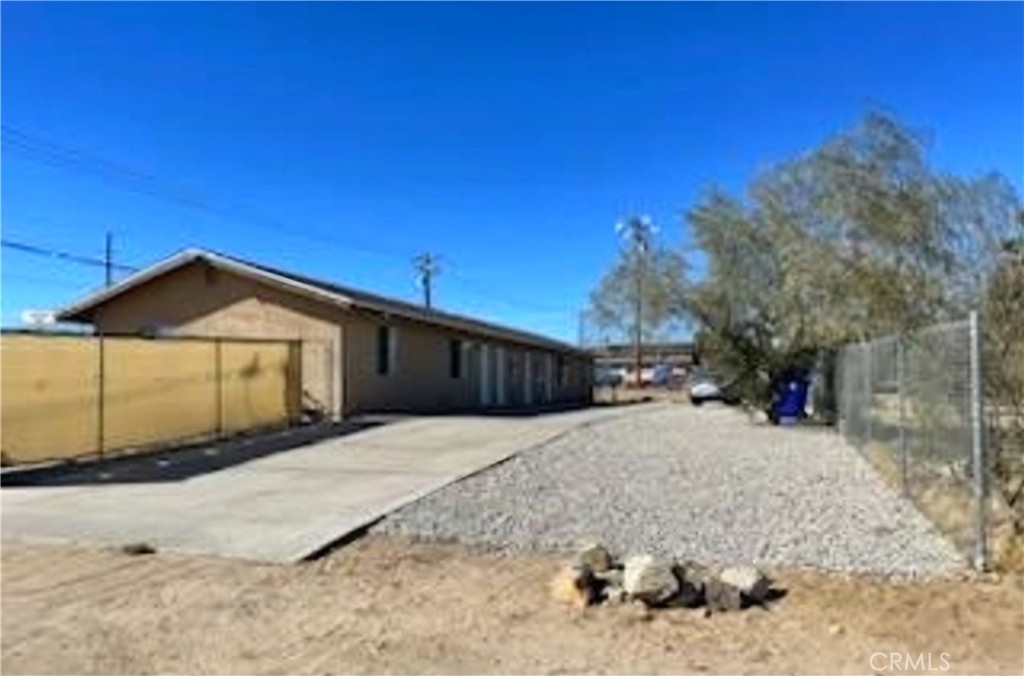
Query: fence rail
66,396
913,405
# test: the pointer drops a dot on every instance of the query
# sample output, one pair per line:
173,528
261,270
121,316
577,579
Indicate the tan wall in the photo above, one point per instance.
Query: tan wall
65,396
420,379
339,360
49,398
198,300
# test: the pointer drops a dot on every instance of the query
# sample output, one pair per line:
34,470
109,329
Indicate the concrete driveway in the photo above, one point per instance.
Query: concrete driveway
273,505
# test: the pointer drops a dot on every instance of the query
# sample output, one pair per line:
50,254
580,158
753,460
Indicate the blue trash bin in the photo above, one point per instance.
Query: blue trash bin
791,401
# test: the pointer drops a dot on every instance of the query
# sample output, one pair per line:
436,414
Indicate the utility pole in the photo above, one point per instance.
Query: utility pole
108,259
638,232
427,267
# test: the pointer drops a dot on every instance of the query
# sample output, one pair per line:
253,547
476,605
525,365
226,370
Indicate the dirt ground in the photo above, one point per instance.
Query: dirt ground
381,605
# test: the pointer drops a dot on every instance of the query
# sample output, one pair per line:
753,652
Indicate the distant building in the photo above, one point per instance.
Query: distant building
621,358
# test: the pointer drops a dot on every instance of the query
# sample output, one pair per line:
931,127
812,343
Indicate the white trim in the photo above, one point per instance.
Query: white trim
182,259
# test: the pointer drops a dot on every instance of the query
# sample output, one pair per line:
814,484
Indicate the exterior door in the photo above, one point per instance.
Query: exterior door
485,375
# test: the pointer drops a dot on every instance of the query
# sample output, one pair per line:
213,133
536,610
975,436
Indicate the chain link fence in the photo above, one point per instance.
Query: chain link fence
913,405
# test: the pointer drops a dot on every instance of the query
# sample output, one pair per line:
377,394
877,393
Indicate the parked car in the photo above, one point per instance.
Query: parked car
703,387
606,377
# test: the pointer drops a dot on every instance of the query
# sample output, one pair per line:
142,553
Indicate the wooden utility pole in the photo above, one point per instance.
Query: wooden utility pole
427,267
108,259
638,232
639,336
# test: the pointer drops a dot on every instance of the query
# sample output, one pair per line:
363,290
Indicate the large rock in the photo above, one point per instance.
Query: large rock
692,580
574,586
613,577
614,595
649,580
721,596
752,583
594,557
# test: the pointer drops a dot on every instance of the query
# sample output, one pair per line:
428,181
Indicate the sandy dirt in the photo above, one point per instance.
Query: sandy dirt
382,605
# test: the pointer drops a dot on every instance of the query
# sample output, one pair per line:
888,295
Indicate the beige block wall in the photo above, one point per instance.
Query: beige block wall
49,403
198,300
71,396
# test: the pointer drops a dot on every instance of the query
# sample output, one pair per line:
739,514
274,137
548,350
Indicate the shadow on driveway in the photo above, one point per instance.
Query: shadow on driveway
181,463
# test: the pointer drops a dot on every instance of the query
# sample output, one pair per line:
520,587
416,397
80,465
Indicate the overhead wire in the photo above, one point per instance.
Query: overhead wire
63,156
63,255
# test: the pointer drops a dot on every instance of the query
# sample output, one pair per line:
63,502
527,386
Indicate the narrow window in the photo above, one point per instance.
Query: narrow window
383,350
455,358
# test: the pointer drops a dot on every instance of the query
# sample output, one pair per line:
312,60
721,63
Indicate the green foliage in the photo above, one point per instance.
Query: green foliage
857,238
662,288
1003,363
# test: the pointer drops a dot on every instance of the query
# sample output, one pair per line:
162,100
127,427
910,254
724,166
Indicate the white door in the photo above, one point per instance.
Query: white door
485,375
549,377
527,379
500,380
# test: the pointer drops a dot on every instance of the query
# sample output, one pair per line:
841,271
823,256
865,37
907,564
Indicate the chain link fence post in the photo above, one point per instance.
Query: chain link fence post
869,395
977,447
901,394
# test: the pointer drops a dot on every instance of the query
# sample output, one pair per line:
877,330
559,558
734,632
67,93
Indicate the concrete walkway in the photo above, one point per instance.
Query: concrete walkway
287,505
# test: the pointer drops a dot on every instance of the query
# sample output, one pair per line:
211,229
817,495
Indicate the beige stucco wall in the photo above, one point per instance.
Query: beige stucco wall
197,300
420,379
339,355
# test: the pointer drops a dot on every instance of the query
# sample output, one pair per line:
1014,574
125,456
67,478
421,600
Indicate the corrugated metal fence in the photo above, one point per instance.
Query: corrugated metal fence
66,396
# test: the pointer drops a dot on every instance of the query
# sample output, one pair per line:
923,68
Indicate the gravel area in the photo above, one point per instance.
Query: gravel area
701,483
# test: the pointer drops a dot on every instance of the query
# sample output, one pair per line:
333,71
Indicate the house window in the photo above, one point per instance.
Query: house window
383,350
563,371
455,358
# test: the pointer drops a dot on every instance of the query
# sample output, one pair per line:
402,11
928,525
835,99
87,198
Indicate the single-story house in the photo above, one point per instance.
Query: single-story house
361,352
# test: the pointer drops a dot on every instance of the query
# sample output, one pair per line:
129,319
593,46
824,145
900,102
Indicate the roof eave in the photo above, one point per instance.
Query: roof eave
82,310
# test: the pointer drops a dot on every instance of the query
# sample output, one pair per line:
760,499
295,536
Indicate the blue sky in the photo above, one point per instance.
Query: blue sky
339,140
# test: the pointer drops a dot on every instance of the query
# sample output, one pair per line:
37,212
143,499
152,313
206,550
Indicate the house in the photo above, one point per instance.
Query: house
360,352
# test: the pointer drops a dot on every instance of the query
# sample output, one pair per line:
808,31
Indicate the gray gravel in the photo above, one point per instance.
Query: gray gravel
693,483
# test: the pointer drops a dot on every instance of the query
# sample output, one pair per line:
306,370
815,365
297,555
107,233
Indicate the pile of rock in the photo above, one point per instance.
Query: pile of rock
595,577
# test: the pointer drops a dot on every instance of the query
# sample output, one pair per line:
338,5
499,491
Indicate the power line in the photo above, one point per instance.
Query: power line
66,157
471,287
50,281
62,156
63,255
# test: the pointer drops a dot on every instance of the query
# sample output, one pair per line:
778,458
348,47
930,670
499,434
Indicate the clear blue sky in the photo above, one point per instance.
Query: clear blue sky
508,138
